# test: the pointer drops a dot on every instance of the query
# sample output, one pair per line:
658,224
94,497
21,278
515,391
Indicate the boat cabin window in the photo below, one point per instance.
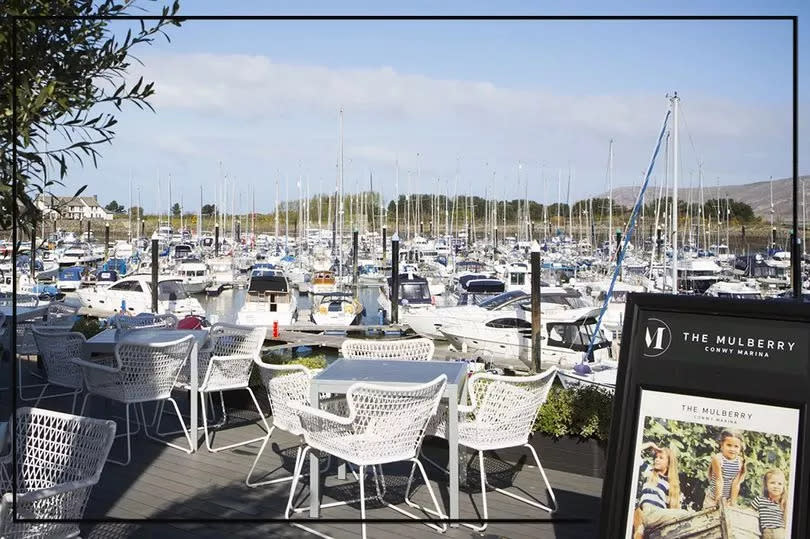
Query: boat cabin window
414,292
171,291
575,335
502,299
127,286
517,278
619,296
509,323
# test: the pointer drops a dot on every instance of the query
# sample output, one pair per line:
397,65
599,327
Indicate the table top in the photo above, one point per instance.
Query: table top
392,371
24,311
106,340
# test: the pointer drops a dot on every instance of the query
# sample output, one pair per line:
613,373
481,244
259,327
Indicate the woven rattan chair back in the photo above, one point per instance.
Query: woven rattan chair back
62,453
147,371
505,407
420,349
57,349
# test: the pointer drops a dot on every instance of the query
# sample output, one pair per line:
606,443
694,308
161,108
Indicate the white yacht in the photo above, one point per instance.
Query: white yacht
336,309
269,299
133,295
504,339
429,322
737,290
78,254
195,275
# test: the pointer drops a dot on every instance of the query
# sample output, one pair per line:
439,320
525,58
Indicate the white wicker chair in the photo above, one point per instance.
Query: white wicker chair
61,315
142,373
385,424
26,347
419,349
59,460
146,320
224,364
286,384
57,350
500,415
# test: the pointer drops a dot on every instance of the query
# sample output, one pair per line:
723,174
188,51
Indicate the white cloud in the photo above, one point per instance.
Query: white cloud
254,86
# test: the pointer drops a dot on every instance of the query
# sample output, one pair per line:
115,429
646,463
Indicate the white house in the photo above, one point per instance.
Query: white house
72,207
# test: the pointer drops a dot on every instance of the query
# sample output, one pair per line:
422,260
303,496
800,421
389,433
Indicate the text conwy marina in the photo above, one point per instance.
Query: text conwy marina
747,346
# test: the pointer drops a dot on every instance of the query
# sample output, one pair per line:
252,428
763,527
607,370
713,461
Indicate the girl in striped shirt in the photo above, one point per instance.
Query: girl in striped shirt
660,495
727,470
772,505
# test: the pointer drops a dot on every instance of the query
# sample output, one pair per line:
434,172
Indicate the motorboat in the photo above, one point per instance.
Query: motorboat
429,322
504,339
337,309
323,282
195,275
269,300
69,278
133,295
735,289
414,295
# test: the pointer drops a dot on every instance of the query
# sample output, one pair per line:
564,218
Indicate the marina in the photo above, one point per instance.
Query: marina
431,276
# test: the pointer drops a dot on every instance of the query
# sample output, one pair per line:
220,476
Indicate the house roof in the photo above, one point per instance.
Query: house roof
50,200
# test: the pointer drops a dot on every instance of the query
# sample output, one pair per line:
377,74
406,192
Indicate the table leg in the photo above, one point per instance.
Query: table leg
194,397
314,464
452,442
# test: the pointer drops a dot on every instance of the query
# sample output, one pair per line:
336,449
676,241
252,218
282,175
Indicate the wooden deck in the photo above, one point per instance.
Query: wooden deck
164,483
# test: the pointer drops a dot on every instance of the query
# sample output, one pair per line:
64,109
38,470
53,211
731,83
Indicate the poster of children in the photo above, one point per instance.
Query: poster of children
698,458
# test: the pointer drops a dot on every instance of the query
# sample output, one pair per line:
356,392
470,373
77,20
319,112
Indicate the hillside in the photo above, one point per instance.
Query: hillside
756,194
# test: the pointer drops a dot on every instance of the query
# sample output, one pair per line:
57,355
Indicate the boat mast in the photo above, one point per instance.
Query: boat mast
674,100
340,201
610,194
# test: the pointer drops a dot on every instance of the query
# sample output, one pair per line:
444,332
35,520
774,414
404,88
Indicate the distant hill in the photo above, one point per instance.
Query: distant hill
756,194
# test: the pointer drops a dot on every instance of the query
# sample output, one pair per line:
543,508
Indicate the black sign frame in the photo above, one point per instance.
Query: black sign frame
775,381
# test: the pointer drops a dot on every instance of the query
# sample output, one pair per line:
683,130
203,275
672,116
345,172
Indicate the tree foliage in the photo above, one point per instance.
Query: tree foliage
115,207
176,210
208,210
69,72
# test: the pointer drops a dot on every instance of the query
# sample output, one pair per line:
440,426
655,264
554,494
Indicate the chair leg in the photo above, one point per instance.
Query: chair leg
362,474
127,434
299,463
551,509
437,512
256,461
182,424
238,444
483,494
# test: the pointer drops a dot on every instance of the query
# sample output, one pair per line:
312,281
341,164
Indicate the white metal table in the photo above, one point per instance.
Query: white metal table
105,341
343,373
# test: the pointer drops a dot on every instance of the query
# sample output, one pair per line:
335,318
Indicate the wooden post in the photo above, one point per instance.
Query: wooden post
534,259
33,251
395,278
143,227
154,275
216,240
354,261
88,230
106,240
238,231
384,239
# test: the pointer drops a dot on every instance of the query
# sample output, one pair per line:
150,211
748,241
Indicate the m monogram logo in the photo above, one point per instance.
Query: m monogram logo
657,337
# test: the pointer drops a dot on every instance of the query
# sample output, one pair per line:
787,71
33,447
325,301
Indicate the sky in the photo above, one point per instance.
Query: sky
503,108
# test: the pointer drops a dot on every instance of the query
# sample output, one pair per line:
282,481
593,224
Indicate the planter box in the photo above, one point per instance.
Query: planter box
567,454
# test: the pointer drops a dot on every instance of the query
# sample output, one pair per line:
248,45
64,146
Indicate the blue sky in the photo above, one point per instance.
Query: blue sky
464,106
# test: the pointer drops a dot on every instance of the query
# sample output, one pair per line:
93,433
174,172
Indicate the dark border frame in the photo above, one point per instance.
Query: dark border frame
14,190
679,376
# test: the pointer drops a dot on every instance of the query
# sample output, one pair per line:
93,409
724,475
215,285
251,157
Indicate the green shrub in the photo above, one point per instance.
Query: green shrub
273,358
87,326
583,412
